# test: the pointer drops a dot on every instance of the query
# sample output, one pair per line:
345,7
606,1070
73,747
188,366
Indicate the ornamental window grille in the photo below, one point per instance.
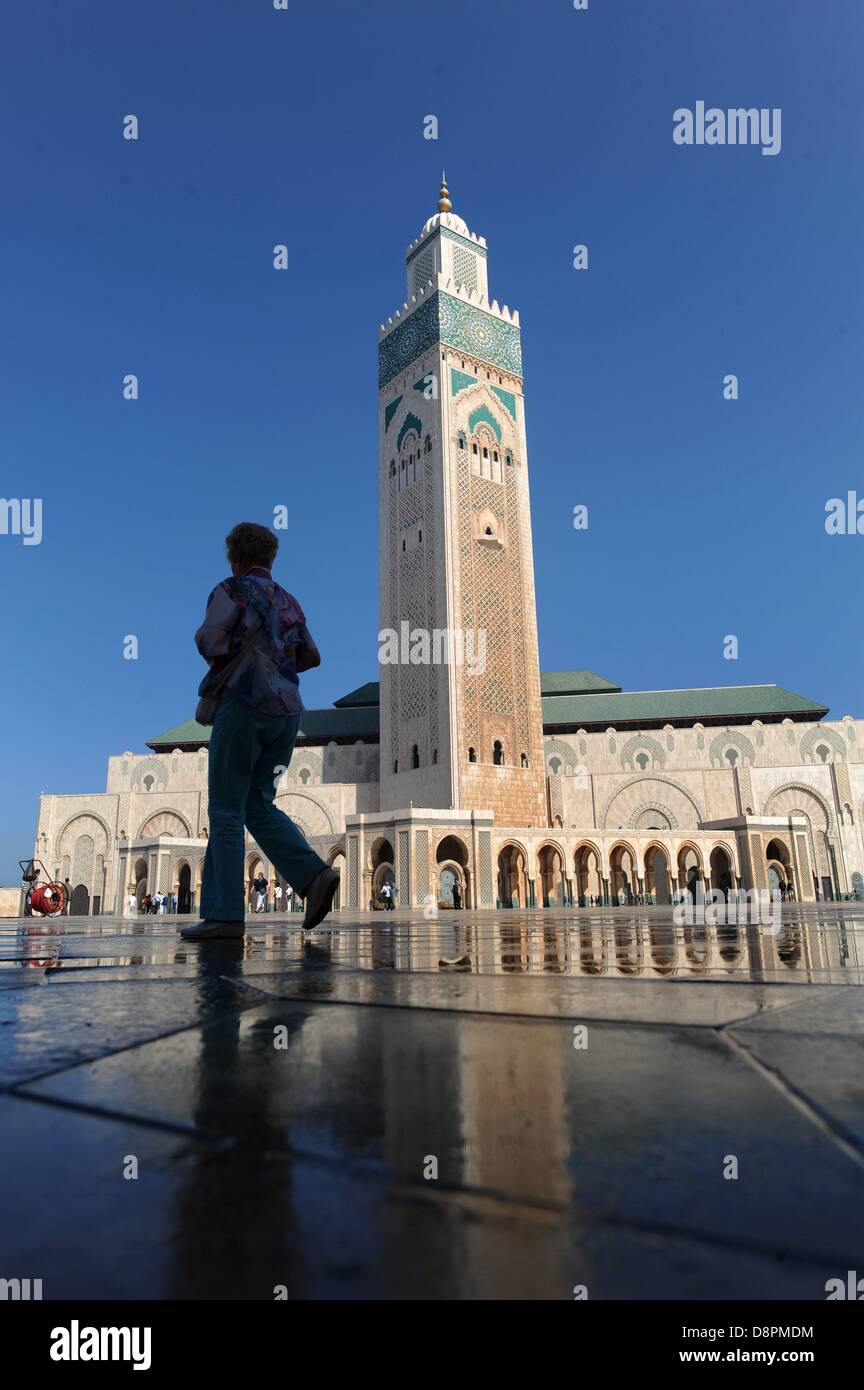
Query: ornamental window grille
464,268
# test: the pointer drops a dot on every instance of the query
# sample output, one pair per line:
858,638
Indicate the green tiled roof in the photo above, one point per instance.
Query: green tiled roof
322,725
652,707
181,736
350,723
367,694
551,683
566,705
574,683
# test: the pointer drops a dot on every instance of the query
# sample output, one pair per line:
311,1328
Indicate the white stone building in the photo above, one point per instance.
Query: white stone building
529,789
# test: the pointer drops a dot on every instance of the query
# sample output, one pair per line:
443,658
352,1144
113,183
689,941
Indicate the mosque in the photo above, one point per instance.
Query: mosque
529,788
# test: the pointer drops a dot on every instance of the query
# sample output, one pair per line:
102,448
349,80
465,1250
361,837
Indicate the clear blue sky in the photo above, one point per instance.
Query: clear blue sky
305,127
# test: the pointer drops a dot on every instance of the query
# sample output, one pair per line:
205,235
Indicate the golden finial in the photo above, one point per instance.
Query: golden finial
444,204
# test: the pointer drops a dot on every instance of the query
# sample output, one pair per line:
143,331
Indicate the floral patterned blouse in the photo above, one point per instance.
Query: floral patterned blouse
267,677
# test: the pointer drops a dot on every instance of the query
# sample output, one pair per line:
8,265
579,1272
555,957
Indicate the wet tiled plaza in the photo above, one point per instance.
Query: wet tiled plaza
489,1105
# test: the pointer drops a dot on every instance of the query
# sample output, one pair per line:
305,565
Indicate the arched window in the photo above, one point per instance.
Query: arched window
305,775
461,440
392,468
395,766
554,765
434,755
523,758
508,459
474,449
731,756
642,760
427,449
415,756
498,753
472,755
821,752
148,783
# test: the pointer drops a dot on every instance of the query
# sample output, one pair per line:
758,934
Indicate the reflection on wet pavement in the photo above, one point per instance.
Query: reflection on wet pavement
812,943
495,1105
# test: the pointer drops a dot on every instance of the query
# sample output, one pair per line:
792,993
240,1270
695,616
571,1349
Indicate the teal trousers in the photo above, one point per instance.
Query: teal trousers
248,752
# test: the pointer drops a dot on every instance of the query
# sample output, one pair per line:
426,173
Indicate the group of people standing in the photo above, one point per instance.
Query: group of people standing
153,903
283,898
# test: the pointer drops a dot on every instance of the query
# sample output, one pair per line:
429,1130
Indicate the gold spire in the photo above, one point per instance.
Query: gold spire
444,204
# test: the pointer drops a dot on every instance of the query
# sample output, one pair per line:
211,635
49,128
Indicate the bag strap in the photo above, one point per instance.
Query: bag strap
227,671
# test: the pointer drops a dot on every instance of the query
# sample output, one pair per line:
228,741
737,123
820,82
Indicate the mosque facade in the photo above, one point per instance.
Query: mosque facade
464,762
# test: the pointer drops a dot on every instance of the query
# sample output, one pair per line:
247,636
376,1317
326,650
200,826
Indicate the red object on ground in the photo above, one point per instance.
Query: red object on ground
48,899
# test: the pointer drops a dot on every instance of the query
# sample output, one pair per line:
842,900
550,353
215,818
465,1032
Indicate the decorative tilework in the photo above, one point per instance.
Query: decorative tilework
402,882
421,863
729,739
424,246
451,236
811,741
464,268
474,330
508,398
444,318
487,895
424,268
390,411
353,871
454,236
459,381
409,423
483,413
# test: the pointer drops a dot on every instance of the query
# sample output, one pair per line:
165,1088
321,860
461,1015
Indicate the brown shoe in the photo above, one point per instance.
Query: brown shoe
319,897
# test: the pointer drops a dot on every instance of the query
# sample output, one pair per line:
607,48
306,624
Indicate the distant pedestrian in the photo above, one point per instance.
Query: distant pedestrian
260,886
67,887
457,895
277,897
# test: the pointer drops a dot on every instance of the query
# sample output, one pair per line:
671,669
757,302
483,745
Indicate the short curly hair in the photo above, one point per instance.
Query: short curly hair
251,544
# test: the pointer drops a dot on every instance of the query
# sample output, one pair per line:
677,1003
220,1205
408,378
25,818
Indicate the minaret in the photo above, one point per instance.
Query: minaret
455,543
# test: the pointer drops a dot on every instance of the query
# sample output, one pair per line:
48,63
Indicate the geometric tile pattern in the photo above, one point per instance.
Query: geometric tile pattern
442,318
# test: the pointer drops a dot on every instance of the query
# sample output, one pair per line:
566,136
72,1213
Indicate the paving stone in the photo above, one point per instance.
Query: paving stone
304,1165
635,1129
202,1223
575,999
56,1026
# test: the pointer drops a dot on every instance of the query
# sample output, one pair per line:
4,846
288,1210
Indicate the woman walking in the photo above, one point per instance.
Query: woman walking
255,639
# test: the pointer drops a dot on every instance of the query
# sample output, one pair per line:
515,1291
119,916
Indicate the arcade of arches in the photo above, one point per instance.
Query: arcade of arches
526,872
